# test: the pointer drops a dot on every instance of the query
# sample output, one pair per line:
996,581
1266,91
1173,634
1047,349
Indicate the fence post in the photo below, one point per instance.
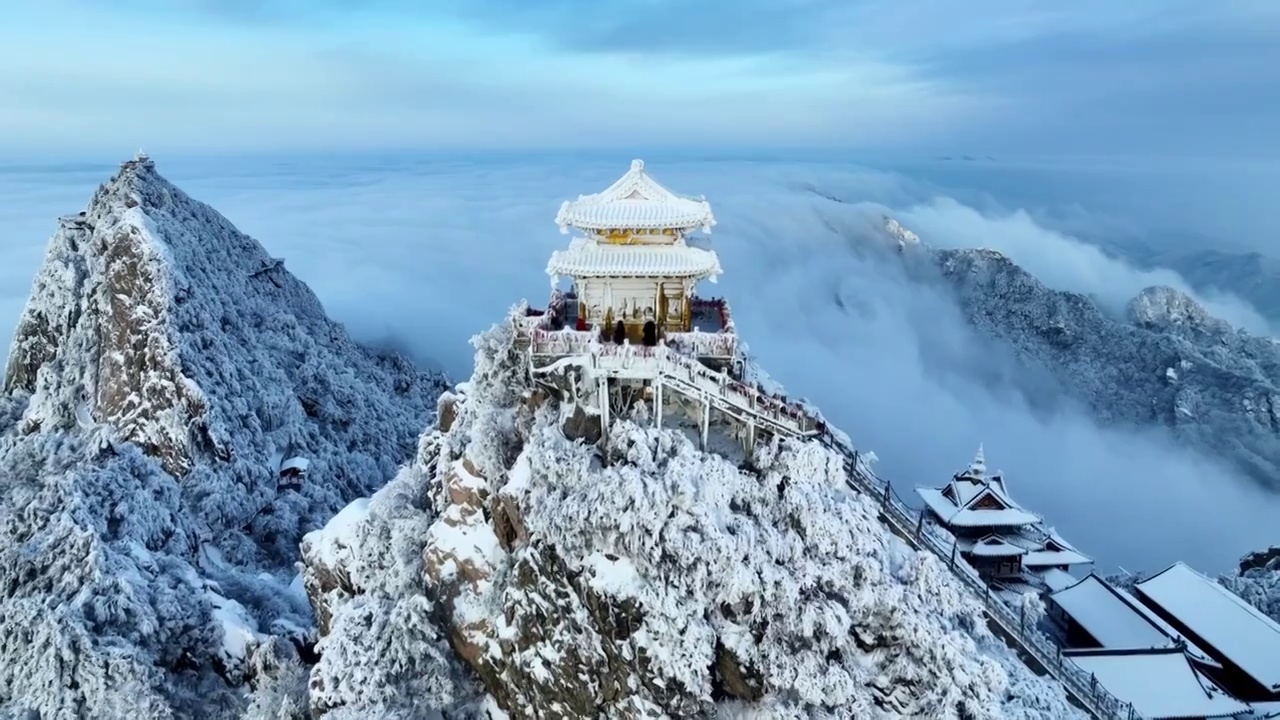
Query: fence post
920,525
954,546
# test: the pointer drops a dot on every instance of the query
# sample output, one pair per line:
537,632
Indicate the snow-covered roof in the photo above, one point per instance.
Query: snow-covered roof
971,499
950,514
994,546
1053,558
1110,615
635,201
588,258
1055,579
295,463
1159,683
1011,591
1220,619
1262,711
1118,620
1046,548
1056,539
964,490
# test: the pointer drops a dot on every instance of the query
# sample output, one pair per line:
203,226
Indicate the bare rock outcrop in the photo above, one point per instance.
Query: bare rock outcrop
584,661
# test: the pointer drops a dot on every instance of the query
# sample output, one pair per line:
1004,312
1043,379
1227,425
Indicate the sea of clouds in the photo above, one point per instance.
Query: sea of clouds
421,253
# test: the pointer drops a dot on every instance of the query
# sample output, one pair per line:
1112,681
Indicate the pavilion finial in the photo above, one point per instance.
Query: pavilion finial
637,164
978,468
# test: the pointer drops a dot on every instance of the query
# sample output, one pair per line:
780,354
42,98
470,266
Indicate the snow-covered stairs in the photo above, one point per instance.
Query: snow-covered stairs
696,381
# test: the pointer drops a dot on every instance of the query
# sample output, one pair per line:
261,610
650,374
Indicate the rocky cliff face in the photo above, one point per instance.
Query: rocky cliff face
656,582
1166,361
163,368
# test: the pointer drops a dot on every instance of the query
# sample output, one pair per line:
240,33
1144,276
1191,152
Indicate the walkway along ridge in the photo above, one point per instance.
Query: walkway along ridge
791,420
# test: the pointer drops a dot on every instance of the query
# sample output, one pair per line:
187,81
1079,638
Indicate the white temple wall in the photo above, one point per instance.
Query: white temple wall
632,300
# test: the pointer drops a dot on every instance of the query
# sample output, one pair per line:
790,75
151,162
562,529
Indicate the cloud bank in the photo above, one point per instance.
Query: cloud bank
426,253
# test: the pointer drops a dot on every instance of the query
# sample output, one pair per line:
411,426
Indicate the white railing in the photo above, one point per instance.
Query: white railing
719,385
722,344
563,342
544,341
773,412
704,344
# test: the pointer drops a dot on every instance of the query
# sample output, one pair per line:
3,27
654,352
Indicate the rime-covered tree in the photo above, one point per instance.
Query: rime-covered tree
162,368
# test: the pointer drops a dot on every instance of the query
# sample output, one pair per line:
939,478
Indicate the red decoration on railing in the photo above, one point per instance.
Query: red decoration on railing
720,307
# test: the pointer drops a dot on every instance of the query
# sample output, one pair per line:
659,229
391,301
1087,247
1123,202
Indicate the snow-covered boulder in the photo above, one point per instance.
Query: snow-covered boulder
1257,580
666,583
162,367
326,555
897,231
1165,309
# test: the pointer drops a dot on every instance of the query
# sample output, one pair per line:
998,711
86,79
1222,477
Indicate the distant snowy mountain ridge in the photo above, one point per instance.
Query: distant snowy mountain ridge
163,368
1249,275
1167,361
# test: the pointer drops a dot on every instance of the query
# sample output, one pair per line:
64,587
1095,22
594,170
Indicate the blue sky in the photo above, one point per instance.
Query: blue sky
1002,76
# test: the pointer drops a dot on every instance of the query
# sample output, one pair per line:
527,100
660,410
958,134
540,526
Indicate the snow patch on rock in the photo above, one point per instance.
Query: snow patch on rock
335,544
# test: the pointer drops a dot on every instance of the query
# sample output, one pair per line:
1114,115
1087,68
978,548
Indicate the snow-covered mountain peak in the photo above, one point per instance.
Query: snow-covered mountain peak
900,233
1166,309
148,303
98,340
177,412
647,578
